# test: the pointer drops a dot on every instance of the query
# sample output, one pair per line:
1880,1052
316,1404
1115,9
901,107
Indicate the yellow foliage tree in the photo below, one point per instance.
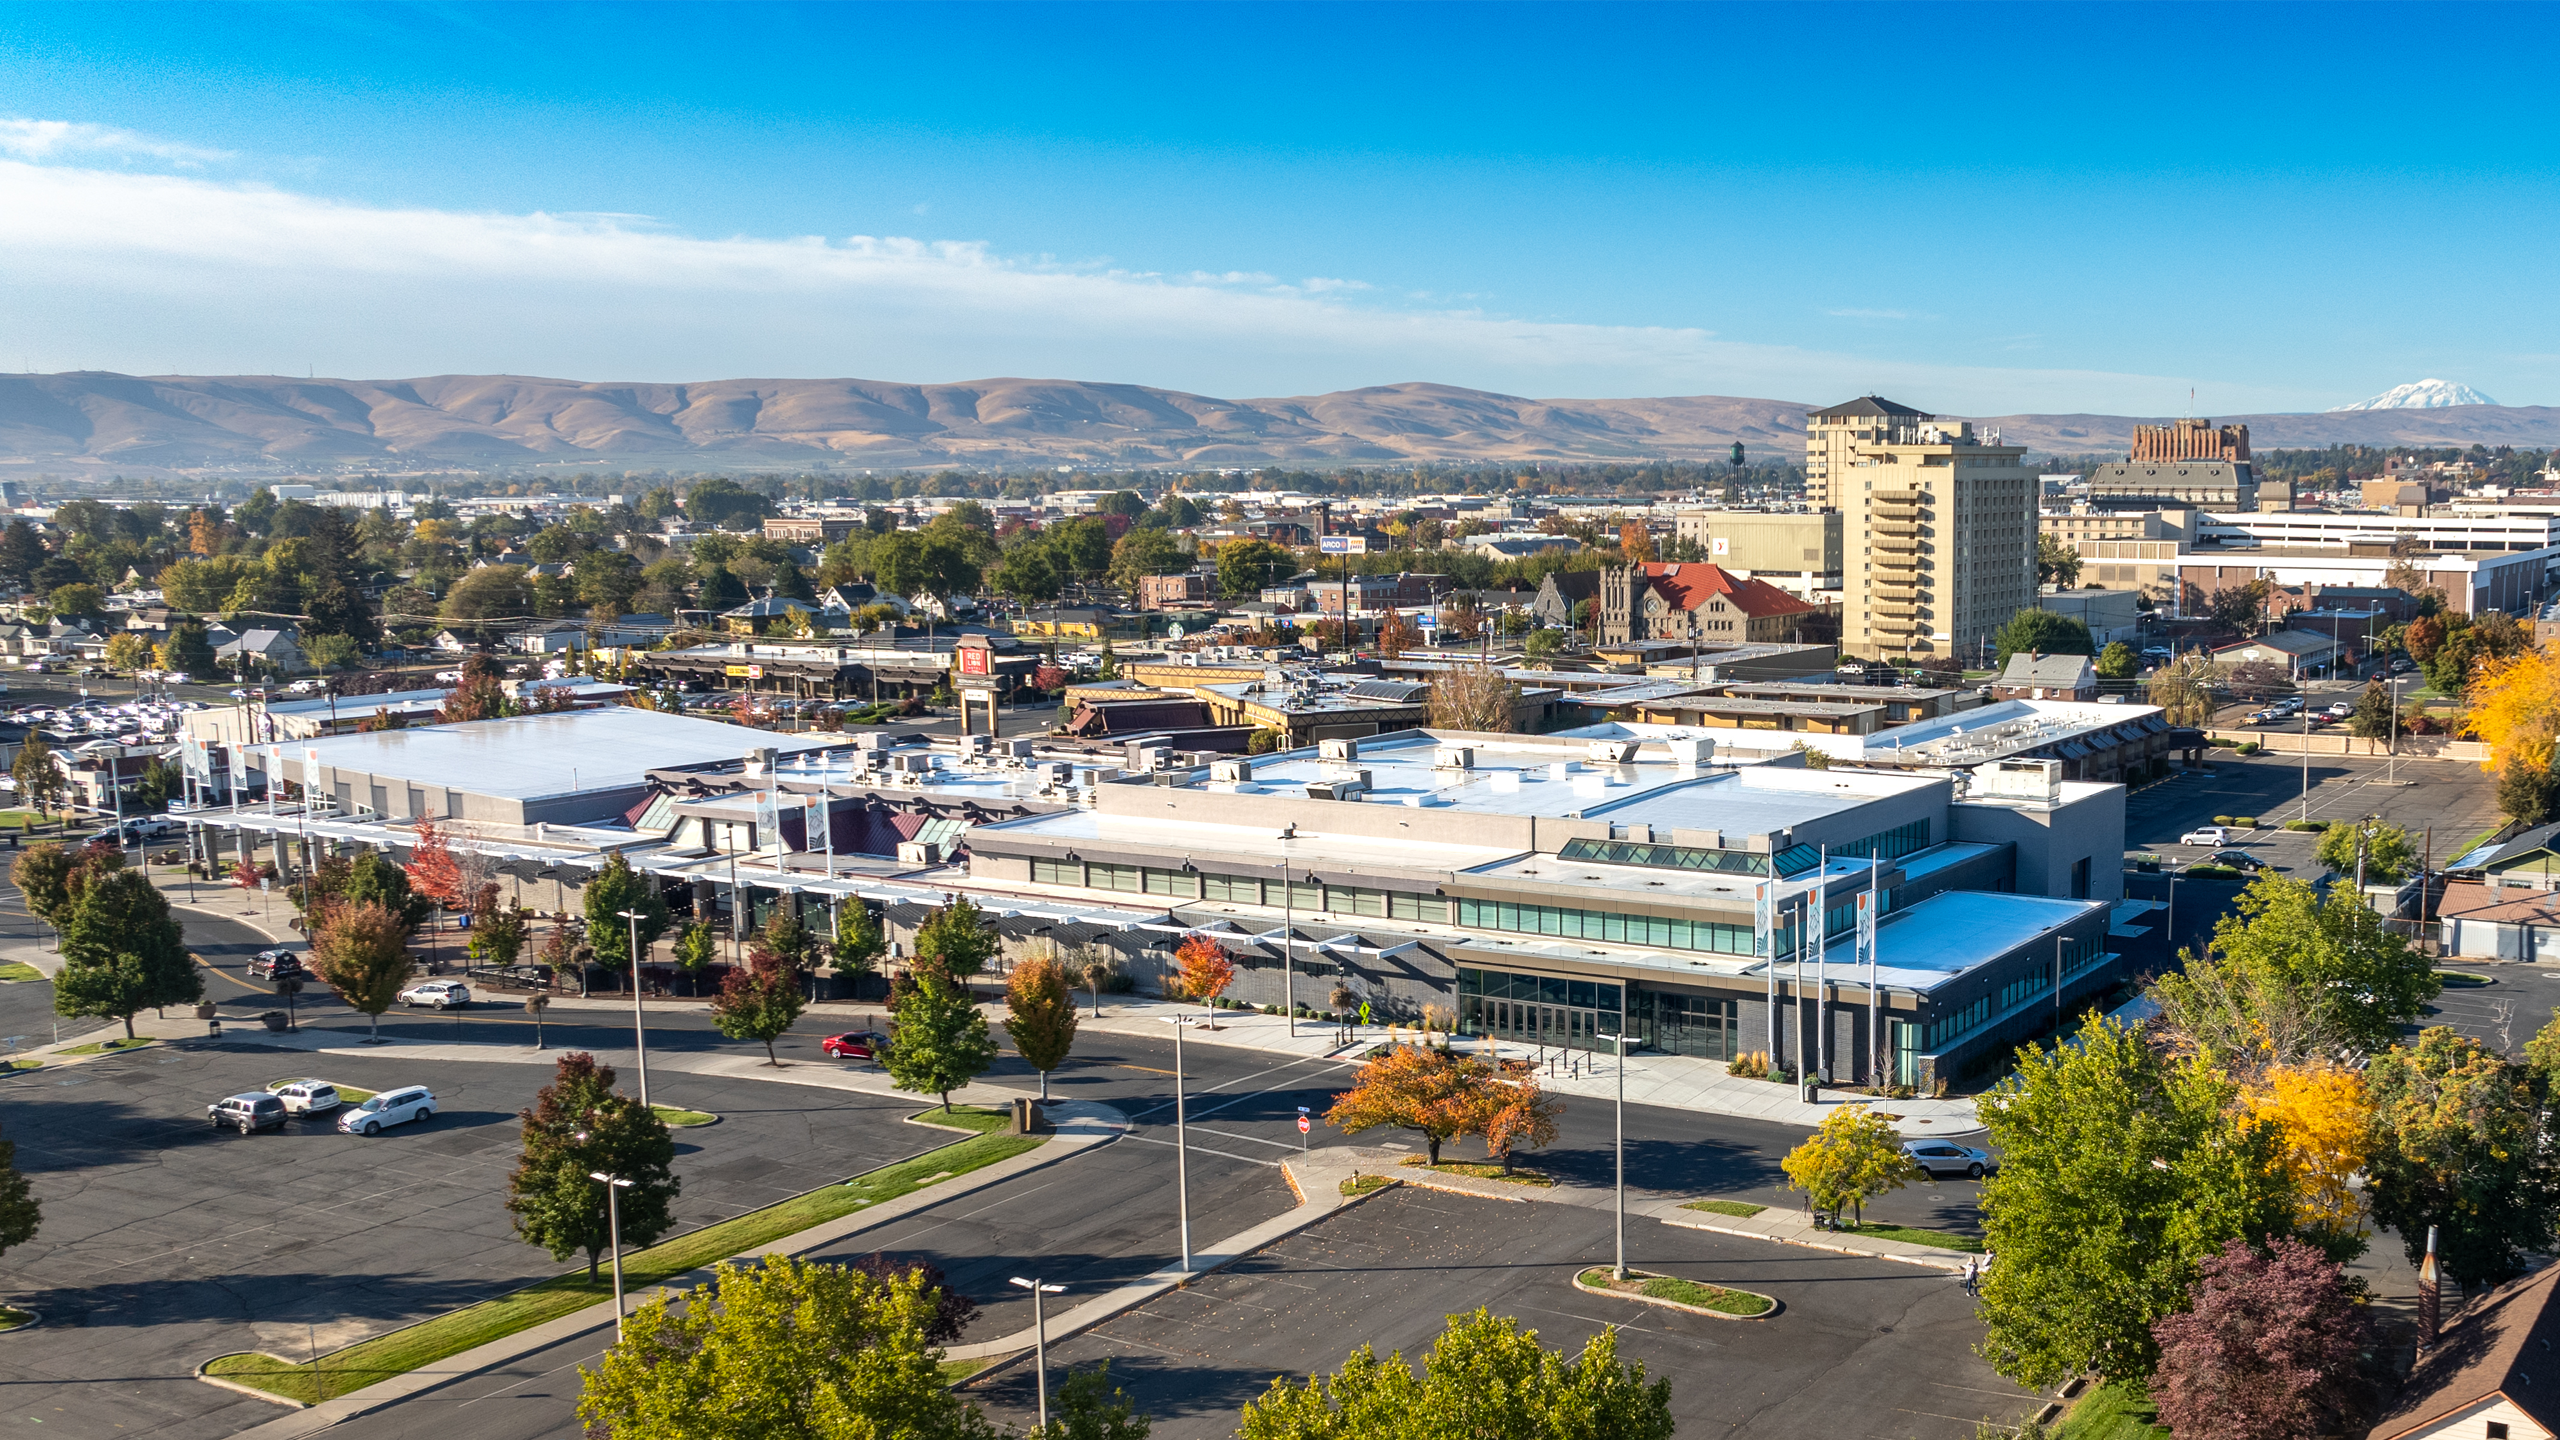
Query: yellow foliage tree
2515,707
1855,1155
2325,1119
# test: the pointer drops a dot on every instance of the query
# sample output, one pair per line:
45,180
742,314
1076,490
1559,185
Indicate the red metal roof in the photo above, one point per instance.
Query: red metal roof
1688,585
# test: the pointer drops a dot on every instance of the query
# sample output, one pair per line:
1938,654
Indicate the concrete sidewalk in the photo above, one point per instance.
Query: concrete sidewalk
1675,1082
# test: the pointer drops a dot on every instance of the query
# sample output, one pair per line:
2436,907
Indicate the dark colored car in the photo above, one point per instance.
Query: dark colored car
2237,860
247,1112
855,1045
276,964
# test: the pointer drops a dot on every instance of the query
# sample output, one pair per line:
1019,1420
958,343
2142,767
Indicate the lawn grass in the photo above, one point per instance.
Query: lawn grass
681,1118
1942,1239
1737,1208
1359,1185
1681,1292
19,819
372,1361
2113,1412
2460,979
23,1062
11,1317
1482,1172
102,1047
976,1119
19,970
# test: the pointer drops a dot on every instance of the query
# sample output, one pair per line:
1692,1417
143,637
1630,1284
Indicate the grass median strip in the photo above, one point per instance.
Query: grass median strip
372,1361
1942,1239
1474,1171
15,970
682,1118
106,1047
1681,1292
1735,1208
977,1119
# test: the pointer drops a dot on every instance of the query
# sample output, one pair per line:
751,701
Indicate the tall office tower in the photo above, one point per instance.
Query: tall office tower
1938,528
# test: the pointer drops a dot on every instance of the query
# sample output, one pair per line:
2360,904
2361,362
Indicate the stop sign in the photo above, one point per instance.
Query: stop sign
1304,1125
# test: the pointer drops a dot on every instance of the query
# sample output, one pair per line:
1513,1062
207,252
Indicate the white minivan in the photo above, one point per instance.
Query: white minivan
391,1107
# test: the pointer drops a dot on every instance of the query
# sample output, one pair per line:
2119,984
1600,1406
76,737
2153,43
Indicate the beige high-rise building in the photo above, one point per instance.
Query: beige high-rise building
1938,528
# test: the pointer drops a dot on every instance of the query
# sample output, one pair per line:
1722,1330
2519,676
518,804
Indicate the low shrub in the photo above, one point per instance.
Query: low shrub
2313,826
2250,747
2224,820
2245,822
2212,872
1750,1064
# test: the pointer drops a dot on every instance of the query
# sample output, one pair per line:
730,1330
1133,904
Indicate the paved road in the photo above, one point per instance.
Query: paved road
1862,1348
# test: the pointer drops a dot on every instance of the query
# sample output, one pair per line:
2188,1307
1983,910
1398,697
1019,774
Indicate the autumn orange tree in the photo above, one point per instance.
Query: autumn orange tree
432,869
2324,1119
1514,1111
1203,968
1433,1093
1397,635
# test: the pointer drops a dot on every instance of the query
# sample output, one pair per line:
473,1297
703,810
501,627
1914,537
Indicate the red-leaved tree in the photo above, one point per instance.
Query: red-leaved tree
1203,968
432,869
2266,1350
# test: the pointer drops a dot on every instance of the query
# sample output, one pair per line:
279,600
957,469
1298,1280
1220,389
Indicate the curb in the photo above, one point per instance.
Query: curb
1776,1308
252,1391
1921,1261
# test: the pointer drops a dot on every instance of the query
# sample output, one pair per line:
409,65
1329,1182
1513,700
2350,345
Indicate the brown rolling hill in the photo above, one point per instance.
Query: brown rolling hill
93,419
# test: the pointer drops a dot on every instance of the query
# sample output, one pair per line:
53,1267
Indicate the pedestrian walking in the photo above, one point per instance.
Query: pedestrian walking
1970,1278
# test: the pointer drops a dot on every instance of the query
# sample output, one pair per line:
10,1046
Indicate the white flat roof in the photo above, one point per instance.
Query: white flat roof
533,757
1177,840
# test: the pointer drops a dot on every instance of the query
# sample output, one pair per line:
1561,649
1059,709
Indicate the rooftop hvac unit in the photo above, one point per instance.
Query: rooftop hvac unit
2036,780
1691,750
917,852
1454,757
1021,748
872,741
1612,752
1231,772
1338,749
973,744
1559,770
914,763
1088,779
1341,787
1050,774
1590,786
1154,757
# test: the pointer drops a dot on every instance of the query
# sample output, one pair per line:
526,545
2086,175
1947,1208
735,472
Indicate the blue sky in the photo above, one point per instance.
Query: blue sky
1978,209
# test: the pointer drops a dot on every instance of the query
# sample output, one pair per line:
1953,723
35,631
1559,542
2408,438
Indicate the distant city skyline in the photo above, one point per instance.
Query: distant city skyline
1975,210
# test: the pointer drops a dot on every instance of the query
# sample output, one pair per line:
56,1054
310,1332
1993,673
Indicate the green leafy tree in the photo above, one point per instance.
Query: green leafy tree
2366,980
579,1126
956,938
1855,1156
498,934
616,888
1484,1378
941,1041
1145,552
787,940
2374,718
1027,575
2389,855
2121,1171
78,602
43,876
41,782
1246,568
123,952
2057,562
361,950
2042,632
697,945
19,1212
759,1001
788,1349
1040,1006
858,943
1089,1407
2118,662
2463,1142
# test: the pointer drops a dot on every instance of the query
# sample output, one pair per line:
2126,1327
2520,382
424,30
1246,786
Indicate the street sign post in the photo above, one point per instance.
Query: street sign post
1305,1124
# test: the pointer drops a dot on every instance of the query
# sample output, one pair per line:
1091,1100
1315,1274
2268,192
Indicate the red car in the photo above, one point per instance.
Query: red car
855,1045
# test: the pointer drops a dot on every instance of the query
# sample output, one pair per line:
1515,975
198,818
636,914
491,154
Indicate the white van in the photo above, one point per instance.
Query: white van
391,1107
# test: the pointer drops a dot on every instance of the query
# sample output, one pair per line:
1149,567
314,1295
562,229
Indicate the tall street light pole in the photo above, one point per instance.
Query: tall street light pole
1040,1340
1619,1272
1181,1145
613,1220
639,1032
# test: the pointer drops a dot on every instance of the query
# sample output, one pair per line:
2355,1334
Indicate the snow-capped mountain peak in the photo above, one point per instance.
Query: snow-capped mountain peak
2424,395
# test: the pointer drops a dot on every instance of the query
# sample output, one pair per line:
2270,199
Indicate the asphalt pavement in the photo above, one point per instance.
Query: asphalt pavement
1861,1346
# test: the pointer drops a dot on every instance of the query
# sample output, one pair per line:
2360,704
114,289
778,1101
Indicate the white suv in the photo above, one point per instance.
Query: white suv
2213,835
442,994
306,1097
391,1107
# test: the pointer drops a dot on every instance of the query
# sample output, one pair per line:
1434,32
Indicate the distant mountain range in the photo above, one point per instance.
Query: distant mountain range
2422,395
92,422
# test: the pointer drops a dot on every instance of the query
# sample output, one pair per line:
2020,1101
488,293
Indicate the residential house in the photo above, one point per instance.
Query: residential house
549,637
2478,1379
262,646
53,639
855,596
2033,676
1697,602
2300,652
757,616
1190,590
638,629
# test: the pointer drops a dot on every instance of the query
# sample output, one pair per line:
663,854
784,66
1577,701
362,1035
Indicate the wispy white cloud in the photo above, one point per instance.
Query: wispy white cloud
51,139
149,272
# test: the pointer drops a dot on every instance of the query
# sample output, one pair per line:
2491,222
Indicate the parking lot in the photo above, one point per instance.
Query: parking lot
2442,803
1863,1347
